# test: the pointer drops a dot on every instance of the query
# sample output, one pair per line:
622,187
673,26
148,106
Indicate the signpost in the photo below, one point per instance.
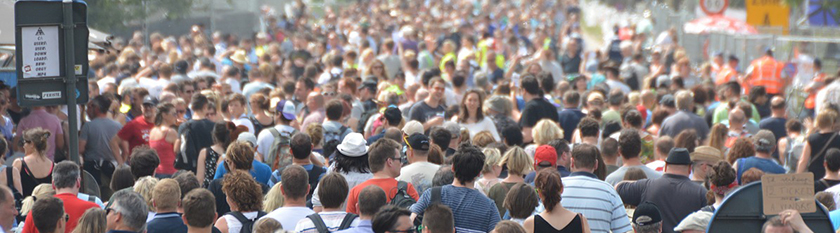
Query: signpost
51,40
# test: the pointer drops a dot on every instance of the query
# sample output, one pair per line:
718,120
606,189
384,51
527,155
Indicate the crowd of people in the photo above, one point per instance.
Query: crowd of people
412,116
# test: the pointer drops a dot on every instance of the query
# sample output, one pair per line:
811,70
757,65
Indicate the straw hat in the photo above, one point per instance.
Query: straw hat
239,57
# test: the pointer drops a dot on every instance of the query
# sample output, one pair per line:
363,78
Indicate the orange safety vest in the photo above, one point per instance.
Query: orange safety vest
766,72
725,75
811,101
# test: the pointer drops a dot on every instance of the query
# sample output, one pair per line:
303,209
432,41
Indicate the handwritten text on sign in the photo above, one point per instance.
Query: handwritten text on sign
40,51
788,191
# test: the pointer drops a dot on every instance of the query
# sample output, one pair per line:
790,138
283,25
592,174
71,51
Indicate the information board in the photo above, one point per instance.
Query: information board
788,191
40,51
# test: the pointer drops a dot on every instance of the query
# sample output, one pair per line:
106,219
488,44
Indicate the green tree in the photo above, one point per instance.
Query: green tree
115,14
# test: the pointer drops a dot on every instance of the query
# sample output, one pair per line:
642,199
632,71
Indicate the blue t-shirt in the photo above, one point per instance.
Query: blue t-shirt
275,177
473,211
259,171
834,216
768,166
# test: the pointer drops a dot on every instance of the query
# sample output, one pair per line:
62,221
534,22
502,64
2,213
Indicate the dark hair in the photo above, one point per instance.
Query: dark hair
635,173
530,84
658,116
334,109
508,226
589,127
479,113
756,92
333,190
348,164
438,218
610,127
793,125
629,143
633,118
441,137
162,109
222,133
686,139
550,185
560,145
512,135
243,190
295,181
187,182
546,81
199,102
379,153
387,217
39,137
46,212
722,174
609,148
144,161
467,162
371,199
259,101
122,178
572,97
832,159
458,79
301,145
585,156
101,103
664,144
308,83
521,200
199,208
742,148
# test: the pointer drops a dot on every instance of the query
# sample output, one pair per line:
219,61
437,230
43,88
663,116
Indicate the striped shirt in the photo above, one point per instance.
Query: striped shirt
472,211
597,200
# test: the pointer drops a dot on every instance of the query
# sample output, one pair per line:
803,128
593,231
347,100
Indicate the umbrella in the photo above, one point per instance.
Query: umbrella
820,14
718,23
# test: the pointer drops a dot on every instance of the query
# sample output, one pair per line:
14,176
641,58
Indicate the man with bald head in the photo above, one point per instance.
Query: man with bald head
776,122
737,120
315,105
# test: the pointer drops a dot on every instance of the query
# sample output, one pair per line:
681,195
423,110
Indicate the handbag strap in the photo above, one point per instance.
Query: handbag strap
825,147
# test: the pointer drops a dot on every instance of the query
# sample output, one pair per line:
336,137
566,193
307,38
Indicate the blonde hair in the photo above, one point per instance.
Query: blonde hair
483,138
144,187
492,156
40,191
267,225
166,194
825,119
93,220
546,130
517,161
316,133
273,199
634,98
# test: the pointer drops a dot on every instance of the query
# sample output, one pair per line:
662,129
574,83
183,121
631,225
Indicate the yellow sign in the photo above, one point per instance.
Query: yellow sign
768,13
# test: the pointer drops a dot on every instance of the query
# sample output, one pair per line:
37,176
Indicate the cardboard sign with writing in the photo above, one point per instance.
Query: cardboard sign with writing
788,191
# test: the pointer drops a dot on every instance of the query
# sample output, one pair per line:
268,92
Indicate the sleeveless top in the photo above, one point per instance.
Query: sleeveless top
166,153
210,165
28,181
817,141
575,226
258,127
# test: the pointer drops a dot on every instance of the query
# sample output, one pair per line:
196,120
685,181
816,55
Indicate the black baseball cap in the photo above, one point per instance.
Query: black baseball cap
668,101
646,214
150,100
370,83
418,141
678,156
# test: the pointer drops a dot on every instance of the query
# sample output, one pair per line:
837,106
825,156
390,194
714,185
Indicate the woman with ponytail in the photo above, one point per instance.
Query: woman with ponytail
549,187
162,139
35,168
722,181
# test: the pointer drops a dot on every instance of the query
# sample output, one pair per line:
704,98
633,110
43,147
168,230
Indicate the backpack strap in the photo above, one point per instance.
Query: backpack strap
318,222
436,195
347,221
239,216
402,186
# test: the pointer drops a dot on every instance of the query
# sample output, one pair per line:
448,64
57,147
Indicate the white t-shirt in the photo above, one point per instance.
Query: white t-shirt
287,216
234,85
484,125
234,225
243,120
419,174
331,219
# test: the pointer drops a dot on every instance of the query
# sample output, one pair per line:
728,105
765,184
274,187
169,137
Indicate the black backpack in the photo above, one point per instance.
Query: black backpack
402,199
322,227
247,224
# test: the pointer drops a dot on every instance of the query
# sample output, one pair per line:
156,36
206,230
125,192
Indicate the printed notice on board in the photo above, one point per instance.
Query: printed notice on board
788,191
40,51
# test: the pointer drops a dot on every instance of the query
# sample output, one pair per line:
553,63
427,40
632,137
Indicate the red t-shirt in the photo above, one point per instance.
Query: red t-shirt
389,185
73,206
136,132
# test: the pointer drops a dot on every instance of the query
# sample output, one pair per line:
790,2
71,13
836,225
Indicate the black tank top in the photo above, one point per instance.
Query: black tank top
28,181
575,226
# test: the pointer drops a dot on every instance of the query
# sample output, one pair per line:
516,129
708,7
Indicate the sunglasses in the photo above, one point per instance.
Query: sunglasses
328,94
108,210
181,111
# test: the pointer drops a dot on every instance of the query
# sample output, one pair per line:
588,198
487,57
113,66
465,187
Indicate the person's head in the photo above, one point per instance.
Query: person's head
609,149
722,179
243,192
391,219
149,107
66,175
267,225
186,182
165,114
517,161
199,103
99,106
687,139
301,146
371,199
589,127
550,187
437,88
384,157
662,146
521,200
483,138
512,135
678,162
737,119
530,84
240,156
751,175
144,161
472,103
392,117
825,120
93,220
7,208
303,87
764,141
48,215
492,157
122,178
684,100
634,173
777,105
128,211
333,190
793,126
647,218
571,99
546,130
507,226
443,176
295,183
35,141
441,137
166,196
629,144
585,158
775,225
832,160
741,148
467,163
236,105
438,219
334,110
826,199
199,209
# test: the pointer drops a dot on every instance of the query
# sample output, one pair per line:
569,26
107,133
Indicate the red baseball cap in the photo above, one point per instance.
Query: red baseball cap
545,153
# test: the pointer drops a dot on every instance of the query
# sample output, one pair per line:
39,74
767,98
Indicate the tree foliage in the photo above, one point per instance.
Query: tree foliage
115,14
